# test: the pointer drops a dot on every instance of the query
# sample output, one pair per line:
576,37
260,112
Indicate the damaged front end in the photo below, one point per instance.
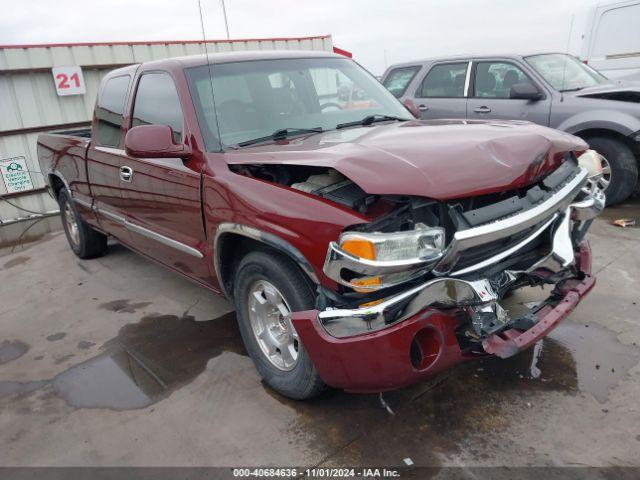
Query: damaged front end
433,293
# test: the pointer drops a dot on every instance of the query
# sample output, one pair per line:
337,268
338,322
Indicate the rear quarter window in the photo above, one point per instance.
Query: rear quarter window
399,79
110,110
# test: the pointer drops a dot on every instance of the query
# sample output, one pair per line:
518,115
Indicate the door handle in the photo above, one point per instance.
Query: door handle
126,173
482,109
422,107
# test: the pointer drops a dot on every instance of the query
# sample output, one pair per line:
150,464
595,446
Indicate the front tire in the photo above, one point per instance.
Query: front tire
620,172
83,240
266,288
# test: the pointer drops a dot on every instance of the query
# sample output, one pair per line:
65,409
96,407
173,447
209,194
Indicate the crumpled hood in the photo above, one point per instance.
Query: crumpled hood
628,86
436,159
627,92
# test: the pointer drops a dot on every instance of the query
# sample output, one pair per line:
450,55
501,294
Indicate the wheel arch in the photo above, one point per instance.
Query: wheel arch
55,183
232,241
587,133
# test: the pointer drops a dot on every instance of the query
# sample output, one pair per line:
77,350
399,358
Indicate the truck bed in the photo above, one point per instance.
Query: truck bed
65,152
84,132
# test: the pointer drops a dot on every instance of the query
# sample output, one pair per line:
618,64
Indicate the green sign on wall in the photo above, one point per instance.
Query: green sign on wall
15,174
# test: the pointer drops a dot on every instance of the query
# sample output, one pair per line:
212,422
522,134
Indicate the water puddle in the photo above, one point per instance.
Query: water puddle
116,380
56,336
14,262
145,363
123,306
13,388
572,358
11,350
601,361
85,345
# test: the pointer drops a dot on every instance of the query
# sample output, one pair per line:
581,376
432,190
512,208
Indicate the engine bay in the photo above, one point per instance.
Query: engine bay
323,182
403,212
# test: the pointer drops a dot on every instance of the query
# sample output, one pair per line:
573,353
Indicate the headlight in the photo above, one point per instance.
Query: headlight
590,161
370,261
422,242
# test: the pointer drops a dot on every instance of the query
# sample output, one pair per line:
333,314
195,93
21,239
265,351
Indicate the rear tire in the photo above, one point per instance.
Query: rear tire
623,167
83,240
270,340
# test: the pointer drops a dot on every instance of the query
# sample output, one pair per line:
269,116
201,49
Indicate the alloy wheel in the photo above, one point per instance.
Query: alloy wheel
605,178
269,315
72,224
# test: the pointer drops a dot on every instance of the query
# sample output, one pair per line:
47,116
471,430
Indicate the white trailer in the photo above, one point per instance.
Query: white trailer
611,41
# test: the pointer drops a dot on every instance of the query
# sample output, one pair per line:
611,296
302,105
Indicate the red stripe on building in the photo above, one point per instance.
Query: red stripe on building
342,52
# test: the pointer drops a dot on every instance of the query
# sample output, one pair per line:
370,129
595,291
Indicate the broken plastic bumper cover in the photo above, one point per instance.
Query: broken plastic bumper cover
511,341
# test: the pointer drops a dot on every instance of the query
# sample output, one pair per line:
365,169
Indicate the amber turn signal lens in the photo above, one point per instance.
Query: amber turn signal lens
372,304
360,248
366,282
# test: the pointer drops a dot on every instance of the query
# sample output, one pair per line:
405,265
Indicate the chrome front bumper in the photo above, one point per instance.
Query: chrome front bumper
450,291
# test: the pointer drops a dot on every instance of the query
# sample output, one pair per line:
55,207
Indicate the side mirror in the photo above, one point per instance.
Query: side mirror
525,91
153,141
409,105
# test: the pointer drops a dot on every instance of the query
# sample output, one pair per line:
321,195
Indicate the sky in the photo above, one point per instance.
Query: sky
378,32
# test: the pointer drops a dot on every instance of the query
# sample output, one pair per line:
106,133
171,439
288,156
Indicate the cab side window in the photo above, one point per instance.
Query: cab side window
110,109
157,103
445,81
495,79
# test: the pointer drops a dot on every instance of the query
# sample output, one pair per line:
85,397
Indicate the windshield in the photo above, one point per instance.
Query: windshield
255,98
565,72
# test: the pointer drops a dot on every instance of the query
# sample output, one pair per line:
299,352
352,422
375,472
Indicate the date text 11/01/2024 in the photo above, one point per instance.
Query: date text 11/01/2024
316,472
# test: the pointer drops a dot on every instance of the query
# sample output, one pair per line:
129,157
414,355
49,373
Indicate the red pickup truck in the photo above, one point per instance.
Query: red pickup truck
364,249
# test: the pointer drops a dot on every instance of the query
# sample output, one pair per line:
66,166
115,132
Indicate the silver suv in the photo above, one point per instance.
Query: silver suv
551,89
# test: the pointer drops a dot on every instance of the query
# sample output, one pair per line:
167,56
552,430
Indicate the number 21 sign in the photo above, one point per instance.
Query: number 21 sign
68,81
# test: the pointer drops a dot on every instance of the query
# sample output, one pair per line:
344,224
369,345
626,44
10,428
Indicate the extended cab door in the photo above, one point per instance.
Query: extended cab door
441,94
105,154
490,92
162,195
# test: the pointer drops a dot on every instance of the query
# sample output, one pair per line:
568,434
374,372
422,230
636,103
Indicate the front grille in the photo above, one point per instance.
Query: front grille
481,239
512,219
486,209
475,255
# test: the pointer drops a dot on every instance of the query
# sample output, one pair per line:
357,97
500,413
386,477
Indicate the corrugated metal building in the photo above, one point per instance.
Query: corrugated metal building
30,104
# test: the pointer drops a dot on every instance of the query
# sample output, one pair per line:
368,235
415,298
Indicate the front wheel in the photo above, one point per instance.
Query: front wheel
267,288
83,240
620,168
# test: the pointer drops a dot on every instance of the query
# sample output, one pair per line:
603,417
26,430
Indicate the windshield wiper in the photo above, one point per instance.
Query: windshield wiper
280,135
368,120
571,89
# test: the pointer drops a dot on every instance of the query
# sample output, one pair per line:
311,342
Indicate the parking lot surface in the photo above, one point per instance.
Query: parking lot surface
118,361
